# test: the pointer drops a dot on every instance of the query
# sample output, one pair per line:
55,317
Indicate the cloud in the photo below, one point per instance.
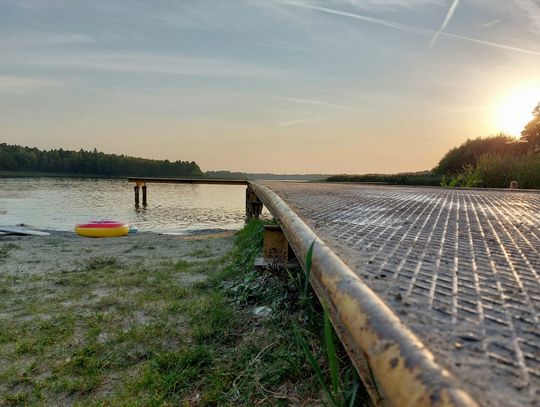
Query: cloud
409,28
20,84
313,102
293,122
489,24
41,39
287,48
383,5
135,63
447,19
532,9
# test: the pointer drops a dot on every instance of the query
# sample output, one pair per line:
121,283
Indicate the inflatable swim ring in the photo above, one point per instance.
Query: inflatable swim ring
102,228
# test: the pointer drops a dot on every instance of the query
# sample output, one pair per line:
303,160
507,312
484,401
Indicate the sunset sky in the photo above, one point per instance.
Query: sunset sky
335,86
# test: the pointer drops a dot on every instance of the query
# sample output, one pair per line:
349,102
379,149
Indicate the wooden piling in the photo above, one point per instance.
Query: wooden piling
136,189
144,195
254,205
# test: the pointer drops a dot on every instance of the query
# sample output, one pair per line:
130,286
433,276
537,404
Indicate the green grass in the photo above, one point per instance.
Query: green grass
111,333
5,249
423,178
498,171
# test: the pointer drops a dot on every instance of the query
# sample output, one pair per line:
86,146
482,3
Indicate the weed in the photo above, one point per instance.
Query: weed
182,265
169,374
202,253
5,249
99,262
344,385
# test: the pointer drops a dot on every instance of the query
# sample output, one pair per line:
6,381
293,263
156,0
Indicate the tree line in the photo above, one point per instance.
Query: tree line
27,159
471,151
493,161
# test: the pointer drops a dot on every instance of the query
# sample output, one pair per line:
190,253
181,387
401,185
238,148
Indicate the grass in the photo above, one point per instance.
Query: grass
112,333
423,178
5,249
498,171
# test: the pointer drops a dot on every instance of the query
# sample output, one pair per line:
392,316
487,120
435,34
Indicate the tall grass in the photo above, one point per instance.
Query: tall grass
424,178
498,170
344,383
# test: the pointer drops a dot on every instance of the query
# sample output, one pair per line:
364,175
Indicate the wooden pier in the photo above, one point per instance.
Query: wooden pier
140,184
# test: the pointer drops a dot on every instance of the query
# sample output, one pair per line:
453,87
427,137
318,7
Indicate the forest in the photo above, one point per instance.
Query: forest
26,159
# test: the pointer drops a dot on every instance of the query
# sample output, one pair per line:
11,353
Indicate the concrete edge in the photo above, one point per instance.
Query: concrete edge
395,365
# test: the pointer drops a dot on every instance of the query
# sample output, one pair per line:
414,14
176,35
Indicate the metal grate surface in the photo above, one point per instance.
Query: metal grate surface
461,268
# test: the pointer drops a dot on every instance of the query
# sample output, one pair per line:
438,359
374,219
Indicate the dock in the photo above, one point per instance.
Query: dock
140,184
434,292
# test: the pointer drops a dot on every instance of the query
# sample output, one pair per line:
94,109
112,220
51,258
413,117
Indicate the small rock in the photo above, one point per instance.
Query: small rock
262,312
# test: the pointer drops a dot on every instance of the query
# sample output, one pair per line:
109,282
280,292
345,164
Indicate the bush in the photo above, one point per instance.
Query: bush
425,178
468,153
498,170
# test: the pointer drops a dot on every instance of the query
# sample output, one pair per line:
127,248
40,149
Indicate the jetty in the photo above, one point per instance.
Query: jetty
434,292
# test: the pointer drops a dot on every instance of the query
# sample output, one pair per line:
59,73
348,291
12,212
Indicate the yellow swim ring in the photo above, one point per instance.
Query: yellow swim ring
102,228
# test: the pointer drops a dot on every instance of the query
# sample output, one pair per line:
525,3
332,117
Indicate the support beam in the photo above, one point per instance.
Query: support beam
136,189
254,205
275,243
144,195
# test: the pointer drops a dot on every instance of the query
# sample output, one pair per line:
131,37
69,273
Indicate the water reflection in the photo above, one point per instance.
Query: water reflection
60,203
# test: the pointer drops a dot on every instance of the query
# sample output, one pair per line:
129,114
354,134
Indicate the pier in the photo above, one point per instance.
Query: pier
140,184
435,293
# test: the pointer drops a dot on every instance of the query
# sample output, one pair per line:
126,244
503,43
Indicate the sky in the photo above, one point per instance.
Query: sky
335,86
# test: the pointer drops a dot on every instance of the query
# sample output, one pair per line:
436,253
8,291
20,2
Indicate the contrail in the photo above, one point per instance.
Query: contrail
313,102
447,19
286,124
409,28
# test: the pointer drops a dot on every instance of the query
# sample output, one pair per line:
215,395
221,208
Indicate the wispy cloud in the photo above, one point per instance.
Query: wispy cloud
443,110
532,9
384,5
313,102
139,63
20,84
44,39
293,122
409,28
287,48
489,24
447,19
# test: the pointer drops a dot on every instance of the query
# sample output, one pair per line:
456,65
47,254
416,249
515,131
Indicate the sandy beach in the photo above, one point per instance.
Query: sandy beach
80,315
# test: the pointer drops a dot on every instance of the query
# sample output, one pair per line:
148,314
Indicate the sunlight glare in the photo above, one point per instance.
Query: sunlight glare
515,110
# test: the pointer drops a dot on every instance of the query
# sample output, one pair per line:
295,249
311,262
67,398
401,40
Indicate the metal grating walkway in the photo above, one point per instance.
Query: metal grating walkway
461,268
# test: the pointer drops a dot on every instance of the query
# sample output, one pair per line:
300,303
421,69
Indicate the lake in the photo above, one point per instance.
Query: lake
60,203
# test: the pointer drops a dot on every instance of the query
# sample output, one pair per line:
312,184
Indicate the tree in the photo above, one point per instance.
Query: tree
468,153
531,132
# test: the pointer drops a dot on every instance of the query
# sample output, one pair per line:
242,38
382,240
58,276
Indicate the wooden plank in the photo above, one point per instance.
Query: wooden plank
189,181
22,231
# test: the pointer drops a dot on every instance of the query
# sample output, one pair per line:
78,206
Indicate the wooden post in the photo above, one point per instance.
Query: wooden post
136,188
144,195
275,243
254,205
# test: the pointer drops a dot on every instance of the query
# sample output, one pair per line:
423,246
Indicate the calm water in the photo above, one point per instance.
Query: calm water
60,203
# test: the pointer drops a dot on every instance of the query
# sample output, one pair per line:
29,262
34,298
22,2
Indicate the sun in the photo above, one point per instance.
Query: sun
515,109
